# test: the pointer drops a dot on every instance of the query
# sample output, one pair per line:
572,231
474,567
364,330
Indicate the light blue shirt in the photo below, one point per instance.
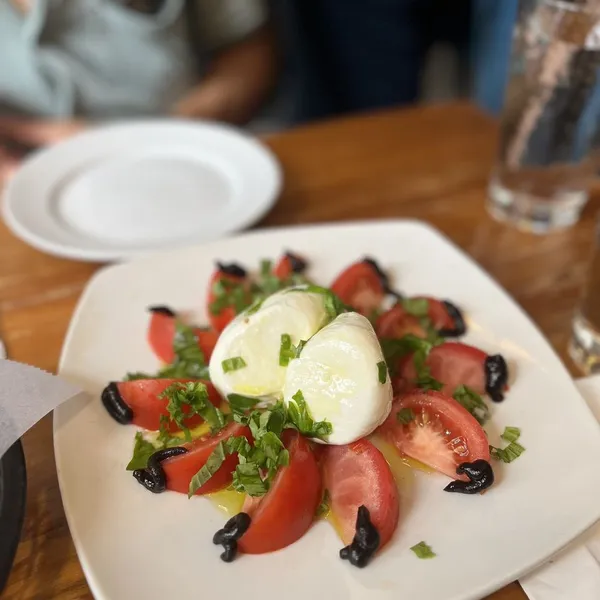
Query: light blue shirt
100,59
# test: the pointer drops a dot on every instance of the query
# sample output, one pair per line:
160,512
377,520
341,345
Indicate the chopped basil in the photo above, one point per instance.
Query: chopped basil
233,364
323,508
511,434
473,402
332,304
254,307
424,379
300,418
405,416
211,466
382,371
246,478
142,451
423,550
418,307
287,350
395,349
194,395
240,404
227,294
138,375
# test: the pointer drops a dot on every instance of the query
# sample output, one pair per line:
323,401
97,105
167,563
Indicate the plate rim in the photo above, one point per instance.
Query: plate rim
489,588
116,253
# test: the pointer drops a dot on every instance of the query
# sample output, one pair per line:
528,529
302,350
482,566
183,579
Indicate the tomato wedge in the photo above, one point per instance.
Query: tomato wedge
288,264
142,396
286,512
360,286
445,317
441,433
356,474
453,364
179,470
397,322
231,278
161,334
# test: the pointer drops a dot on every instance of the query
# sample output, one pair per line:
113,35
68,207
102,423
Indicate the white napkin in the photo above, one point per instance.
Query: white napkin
575,573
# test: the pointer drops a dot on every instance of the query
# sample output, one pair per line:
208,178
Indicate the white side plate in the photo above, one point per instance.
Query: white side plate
124,190
133,544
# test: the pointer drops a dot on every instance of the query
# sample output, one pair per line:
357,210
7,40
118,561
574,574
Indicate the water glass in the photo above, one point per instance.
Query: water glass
549,139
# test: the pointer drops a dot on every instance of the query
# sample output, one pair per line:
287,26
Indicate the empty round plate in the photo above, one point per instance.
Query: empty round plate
123,190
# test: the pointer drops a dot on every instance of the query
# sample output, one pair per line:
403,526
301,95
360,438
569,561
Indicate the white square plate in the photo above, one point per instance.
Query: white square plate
133,544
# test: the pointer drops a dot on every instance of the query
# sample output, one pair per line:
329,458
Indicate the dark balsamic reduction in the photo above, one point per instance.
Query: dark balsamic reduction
232,269
496,377
153,476
115,405
455,314
162,310
383,278
480,474
366,540
297,263
232,531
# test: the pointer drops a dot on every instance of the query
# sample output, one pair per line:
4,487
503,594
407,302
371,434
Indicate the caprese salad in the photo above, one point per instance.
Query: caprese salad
281,407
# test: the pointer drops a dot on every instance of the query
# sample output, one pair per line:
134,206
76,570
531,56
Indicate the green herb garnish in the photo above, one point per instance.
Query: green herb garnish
323,508
405,416
423,550
193,396
417,307
189,360
241,404
473,402
227,294
513,450
233,364
287,350
511,434
142,451
382,371
424,379
299,417
332,304
137,375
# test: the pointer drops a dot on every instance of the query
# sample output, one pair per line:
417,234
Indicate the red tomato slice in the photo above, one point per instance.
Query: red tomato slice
442,434
357,474
396,323
287,265
142,396
179,470
286,512
360,286
453,364
221,319
162,331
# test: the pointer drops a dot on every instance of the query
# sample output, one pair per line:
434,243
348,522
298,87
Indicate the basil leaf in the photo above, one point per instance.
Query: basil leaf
405,416
424,379
423,550
332,304
135,376
241,404
382,371
227,294
142,451
299,417
211,466
246,478
473,402
194,395
395,349
323,508
508,454
418,307
233,364
189,360
511,434
287,350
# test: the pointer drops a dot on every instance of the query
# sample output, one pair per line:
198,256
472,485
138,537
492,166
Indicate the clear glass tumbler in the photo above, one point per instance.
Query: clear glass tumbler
549,141
585,338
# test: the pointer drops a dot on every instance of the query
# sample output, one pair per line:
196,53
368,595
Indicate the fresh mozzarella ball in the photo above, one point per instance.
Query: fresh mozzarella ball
257,339
338,375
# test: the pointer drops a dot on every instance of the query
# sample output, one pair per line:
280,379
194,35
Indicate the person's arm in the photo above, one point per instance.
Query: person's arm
237,82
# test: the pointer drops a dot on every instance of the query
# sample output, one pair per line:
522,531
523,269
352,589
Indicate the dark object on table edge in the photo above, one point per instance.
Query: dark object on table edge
13,488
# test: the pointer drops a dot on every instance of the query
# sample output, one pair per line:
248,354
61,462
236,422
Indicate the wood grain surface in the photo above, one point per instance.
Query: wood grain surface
429,163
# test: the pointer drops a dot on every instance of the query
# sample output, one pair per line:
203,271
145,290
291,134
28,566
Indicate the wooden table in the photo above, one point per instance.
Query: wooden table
427,163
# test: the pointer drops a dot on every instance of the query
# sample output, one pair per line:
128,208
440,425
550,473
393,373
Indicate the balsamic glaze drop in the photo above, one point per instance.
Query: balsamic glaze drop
460,326
232,269
480,474
298,264
496,377
383,278
232,531
366,540
162,310
153,476
115,405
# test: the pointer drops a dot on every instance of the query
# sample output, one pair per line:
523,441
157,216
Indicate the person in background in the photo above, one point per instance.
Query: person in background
353,56
67,63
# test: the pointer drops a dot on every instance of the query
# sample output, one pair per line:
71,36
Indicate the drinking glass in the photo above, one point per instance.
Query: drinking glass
585,338
549,141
